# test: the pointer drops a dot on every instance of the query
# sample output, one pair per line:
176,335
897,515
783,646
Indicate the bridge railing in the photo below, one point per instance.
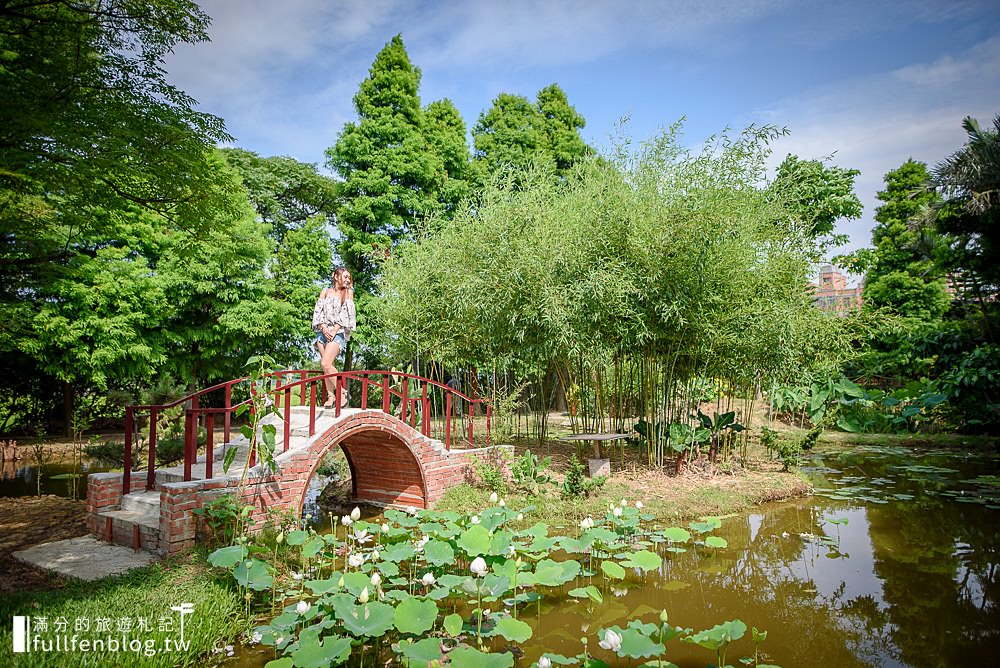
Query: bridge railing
431,407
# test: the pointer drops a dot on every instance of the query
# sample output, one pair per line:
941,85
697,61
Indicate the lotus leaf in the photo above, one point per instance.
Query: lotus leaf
372,619
415,616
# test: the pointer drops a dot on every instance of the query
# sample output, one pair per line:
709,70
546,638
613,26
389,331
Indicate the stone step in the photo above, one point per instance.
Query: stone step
142,502
138,530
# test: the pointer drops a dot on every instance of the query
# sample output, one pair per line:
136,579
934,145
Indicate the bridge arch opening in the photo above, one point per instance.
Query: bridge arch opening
384,470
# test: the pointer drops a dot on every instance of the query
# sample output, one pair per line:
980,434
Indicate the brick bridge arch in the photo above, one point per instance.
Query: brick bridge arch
394,461
392,464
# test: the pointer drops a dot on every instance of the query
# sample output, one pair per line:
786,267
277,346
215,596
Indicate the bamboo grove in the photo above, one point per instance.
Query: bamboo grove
649,283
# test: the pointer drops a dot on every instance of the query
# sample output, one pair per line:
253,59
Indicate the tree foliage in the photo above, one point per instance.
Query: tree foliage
817,196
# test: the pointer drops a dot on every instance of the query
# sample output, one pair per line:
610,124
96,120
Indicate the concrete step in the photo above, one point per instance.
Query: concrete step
142,502
138,530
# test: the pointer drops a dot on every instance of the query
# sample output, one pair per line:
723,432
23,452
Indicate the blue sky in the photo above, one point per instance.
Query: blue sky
869,83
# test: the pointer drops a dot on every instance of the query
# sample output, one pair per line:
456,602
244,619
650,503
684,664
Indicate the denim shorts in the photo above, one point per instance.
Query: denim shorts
337,338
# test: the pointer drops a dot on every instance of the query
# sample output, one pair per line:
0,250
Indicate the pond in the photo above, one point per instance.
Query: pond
894,562
20,478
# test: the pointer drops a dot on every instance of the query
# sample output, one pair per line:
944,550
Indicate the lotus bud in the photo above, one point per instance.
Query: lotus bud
502,504
340,582
478,567
302,607
281,537
612,641
618,512
356,514
428,579
475,519
493,497
346,520
520,517
663,616
376,579
623,503
385,527
544,662
638,505
363,598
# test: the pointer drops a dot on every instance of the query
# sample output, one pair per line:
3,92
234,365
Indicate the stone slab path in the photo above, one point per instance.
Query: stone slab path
85,558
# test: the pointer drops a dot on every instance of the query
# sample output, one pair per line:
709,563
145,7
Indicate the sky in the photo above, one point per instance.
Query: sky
862,84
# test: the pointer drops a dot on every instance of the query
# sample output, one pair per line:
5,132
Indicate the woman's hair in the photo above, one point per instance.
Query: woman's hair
339,270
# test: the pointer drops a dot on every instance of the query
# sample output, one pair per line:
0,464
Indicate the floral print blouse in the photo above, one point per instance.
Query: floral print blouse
329,311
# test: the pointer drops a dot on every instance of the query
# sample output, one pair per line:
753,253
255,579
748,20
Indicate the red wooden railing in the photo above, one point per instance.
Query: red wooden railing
434,403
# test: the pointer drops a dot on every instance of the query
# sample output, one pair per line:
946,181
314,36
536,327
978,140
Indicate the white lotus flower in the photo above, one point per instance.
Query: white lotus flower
302,607
512,550
478,567
375,555
428,579
587,523
618,512
475,519
545,662
612,641
376,579
638,505
623,503
520,517
355,560
361,536
412,510
346,520
363,598
356,514
385,527
256,637
502,504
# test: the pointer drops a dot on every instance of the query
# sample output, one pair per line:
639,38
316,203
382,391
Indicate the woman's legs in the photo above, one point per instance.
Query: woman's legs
330,353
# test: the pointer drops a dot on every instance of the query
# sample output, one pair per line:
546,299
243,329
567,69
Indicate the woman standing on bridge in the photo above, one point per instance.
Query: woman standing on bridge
334,318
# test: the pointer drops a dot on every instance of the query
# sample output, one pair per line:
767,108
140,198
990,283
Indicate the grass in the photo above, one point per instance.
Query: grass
669,498
148,592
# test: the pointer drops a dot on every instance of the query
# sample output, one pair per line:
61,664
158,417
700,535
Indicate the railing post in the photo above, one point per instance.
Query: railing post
472,421
209,443
425,422
228,406
127,473
312,407
364,392
488,415
151,458
406,399
190,430
337,393
447,420
386,404
302,388
288,417
252,451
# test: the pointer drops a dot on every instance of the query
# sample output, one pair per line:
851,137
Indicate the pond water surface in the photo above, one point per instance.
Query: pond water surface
894,562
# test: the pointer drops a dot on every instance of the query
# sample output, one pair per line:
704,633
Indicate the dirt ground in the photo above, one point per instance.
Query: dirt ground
28,521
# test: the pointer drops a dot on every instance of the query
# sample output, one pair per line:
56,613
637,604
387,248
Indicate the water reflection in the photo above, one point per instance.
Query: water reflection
892,564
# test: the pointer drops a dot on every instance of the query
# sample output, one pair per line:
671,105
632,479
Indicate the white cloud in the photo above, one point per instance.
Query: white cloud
875,123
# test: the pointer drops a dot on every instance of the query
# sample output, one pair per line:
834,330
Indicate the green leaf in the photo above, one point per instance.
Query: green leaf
229,458
253,574
422,652
637,645
296,537
716,542
415,616
590,591
613,570
513,629
453,624
475,541
313,547
467,657
371,620
718,636
315,654
227,557
646,560
283,662
676,534
439,553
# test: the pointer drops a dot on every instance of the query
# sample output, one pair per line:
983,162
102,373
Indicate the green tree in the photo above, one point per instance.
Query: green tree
444,130
388,167
298,205
562,129
902,274
816,196
969,181
510,135
100,158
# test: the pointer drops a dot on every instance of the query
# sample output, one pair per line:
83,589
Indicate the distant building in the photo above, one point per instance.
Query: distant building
832,293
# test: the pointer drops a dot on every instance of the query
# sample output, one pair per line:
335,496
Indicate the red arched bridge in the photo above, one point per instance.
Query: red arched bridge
406,440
